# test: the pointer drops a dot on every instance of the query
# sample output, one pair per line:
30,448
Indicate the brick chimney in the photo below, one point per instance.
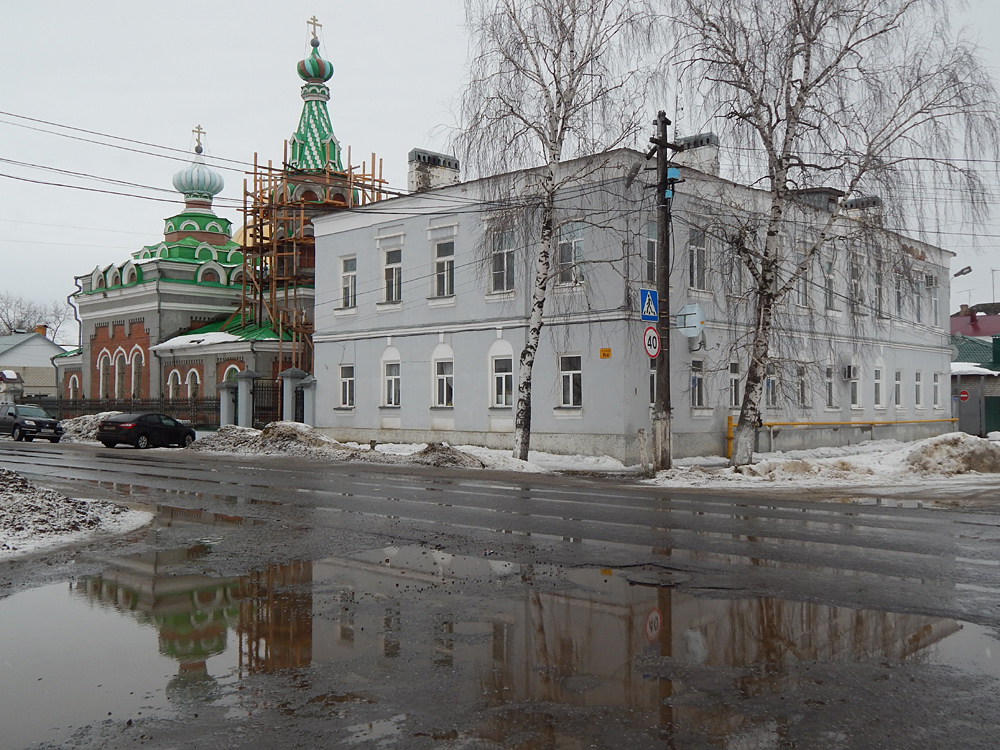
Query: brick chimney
42,329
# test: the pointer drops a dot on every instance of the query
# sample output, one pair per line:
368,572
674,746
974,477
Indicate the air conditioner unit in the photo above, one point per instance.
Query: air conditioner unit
851,372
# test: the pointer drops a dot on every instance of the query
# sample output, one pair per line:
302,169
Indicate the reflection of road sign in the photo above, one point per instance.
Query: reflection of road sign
651,340
963,395
649,305
654,621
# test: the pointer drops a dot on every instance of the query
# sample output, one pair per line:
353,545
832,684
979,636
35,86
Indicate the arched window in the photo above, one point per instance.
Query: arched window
132,278
231,372
137,374
104,375
210,276
174,385
193,384
120,376
74,387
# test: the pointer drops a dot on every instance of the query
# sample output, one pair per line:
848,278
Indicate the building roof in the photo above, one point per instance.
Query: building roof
970,368
971,349
976,324
314,146
220,333
16,339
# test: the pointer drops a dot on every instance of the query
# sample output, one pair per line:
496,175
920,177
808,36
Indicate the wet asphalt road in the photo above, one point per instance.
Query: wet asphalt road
280,602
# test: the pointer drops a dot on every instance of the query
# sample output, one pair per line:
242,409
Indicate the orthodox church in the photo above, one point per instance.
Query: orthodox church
198,307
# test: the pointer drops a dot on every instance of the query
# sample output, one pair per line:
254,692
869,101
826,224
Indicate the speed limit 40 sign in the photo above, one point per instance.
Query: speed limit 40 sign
651,341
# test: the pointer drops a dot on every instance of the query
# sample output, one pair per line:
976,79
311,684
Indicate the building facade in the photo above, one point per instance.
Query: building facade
422,311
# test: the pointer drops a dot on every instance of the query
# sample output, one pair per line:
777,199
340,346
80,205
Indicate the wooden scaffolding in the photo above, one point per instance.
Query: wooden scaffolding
279,250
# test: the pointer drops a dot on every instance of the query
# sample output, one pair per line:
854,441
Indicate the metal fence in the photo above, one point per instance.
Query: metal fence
200,412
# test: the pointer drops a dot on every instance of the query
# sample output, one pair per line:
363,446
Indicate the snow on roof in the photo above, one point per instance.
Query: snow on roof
191,340
10,376
971,368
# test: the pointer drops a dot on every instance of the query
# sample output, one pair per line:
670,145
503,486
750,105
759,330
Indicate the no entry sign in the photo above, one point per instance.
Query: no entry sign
963,395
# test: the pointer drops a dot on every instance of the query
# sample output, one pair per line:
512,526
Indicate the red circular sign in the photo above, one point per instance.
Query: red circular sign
651,340
963,395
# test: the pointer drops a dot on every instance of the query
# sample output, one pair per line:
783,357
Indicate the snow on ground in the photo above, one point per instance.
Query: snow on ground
33,519
84,429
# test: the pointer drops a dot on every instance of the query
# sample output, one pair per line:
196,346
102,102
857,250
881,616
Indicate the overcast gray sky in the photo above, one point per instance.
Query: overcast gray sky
153,71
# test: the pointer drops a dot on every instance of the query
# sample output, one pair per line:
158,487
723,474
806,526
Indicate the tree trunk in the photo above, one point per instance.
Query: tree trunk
543,262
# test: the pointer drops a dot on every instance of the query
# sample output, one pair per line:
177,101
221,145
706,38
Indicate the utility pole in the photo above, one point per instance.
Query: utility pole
666,177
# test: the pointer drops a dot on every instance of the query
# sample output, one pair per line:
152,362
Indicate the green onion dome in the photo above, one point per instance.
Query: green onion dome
314,68
198,181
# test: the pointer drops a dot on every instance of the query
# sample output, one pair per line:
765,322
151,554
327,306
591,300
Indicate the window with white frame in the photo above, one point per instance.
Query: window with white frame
174,385
935,299
801,295
918,303
349,282
854,386
444,269
444,383
831,388
394,275
193,383
697,259
571,378
503,261
857,300
897,388
900,295
878,387
120,376
879,299
503,382
697,383
936,389
136,374
770,386
392,384
651,238
570,253
734,385
801,387
829,286
918,390
347,386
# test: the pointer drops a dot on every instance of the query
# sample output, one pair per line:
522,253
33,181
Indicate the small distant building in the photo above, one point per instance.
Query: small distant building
975,384
26,361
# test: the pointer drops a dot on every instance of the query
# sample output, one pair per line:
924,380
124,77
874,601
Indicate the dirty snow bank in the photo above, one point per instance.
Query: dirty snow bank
84,429
33,518
884,461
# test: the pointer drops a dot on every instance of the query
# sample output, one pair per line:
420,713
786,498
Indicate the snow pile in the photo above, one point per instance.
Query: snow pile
84,429
955,453
439,454
277,438
33,518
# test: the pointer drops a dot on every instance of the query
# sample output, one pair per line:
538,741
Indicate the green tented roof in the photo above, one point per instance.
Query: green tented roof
247,333
974,350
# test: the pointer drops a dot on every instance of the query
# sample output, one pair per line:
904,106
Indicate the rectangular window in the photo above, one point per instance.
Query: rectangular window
831,388
879,291
802,282
897,388
394,275
651,237
347,385
444,378
918,390
503,261
697,259
918,305
503,382
570,253
697,382
900,295
801,387
936,392
877,388
770,386
735,273
734,385
444,269
857,291
935,301
571,374
854,386
392,383
349,282
829,288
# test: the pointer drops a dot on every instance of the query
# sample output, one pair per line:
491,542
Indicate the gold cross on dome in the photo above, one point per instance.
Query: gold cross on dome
198,133
314,22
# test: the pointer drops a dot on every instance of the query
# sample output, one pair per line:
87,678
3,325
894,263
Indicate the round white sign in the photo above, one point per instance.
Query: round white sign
651,340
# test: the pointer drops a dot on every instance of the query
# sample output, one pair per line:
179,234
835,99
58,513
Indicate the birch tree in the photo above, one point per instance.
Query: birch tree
870,97
549,80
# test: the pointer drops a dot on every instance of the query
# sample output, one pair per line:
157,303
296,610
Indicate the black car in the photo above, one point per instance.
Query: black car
144,430
26,422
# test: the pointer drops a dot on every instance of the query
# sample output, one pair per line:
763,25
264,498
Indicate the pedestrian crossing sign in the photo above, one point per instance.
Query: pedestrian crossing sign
649,306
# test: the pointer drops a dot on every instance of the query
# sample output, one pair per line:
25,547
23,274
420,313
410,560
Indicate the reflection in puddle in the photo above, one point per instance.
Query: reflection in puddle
154,635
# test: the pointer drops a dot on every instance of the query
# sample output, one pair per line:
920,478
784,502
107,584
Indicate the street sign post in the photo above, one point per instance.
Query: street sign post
651,341
649,305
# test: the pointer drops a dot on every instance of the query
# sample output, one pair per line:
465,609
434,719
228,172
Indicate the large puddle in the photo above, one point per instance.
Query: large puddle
156,636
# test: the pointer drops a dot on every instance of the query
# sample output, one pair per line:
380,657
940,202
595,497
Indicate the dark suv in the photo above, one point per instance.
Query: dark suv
26,422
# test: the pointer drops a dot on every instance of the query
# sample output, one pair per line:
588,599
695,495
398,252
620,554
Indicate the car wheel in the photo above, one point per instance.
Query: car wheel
142,441
188,439
53,440
17,435
109,443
